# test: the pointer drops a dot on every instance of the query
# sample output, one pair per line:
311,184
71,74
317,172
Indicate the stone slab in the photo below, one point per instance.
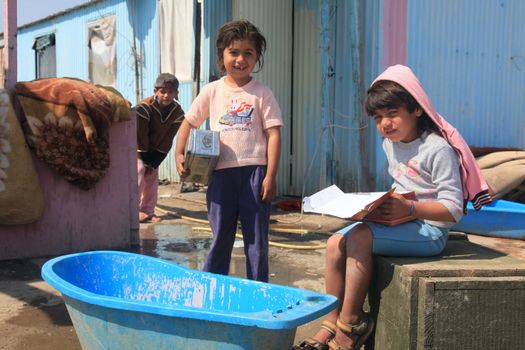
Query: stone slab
439,302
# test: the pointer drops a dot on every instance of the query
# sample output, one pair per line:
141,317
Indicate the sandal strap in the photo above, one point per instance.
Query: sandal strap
332,345
328,326
350,329
310,344
314,344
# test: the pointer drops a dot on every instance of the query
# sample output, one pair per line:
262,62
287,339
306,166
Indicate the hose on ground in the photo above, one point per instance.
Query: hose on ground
271,243
273,228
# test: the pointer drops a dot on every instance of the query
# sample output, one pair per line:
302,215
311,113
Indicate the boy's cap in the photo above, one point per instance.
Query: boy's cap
167,80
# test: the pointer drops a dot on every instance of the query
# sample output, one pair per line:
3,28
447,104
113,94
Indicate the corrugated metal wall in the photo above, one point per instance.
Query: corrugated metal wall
371,13
470,57
214,14
352,126
322,55
147,43
331,133
322,135
307,129
274,19
327,136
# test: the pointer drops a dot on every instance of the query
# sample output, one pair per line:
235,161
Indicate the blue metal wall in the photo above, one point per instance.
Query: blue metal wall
334,48
351,149
215,14
372,43
147,42
470,56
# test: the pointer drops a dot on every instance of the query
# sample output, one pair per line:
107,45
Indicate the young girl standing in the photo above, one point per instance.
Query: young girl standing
426,155
247,115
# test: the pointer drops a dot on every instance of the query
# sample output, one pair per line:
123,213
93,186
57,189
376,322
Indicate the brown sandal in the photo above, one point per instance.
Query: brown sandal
363,330
314,344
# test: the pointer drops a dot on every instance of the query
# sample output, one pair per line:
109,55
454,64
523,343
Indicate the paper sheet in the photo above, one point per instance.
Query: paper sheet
333,201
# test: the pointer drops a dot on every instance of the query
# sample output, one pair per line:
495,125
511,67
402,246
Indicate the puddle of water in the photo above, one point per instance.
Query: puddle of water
183,246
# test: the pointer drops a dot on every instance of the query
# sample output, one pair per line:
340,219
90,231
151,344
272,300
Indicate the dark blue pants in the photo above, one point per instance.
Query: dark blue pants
234,193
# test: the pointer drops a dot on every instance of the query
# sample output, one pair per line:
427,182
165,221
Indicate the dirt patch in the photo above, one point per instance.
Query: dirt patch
32,313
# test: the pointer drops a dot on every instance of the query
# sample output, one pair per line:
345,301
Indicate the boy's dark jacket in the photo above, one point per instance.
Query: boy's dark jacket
156,128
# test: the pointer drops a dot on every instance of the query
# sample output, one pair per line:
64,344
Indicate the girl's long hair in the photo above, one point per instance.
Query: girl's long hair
387,94
239,30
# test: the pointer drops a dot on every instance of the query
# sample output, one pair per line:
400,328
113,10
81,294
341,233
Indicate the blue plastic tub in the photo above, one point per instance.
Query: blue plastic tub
500,218
120,300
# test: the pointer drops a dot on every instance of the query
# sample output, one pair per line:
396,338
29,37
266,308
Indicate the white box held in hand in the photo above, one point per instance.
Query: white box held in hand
201,155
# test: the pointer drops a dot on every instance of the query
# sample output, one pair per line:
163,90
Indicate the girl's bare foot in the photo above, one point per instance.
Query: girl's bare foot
143,217
155,218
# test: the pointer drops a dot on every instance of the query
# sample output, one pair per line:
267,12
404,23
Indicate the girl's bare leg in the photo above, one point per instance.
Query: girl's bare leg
334,279
359,264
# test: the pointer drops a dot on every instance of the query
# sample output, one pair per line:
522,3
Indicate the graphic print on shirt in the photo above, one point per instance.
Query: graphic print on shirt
238,114
409,169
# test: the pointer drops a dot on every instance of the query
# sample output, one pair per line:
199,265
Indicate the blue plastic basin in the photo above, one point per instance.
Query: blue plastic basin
120,300
500,218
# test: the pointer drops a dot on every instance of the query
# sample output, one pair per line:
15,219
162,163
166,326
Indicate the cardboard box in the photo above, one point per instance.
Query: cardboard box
202,154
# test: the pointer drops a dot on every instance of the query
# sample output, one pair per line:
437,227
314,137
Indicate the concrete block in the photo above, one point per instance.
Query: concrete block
471,297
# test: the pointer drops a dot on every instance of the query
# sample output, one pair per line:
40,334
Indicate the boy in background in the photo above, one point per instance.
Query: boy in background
158,120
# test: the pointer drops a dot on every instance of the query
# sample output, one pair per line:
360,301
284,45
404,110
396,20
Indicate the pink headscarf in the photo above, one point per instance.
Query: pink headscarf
475,188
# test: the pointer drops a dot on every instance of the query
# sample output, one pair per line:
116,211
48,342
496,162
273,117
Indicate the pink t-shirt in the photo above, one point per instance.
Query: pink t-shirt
240,115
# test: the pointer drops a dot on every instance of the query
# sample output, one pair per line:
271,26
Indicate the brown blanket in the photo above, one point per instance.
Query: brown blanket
68,123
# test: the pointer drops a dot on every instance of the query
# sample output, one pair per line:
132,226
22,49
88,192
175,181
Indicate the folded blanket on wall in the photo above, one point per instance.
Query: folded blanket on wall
505,174
21,197
481,151
68,123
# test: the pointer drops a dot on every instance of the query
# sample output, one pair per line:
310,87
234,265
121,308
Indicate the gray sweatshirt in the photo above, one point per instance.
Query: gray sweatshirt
429,167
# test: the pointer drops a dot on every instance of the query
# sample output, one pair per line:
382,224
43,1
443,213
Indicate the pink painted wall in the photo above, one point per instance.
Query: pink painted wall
105,217
394,33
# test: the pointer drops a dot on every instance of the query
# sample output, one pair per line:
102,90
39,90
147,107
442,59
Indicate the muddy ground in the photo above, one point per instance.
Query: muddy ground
33,315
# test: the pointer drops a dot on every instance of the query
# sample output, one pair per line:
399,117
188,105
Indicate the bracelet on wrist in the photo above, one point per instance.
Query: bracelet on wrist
411,209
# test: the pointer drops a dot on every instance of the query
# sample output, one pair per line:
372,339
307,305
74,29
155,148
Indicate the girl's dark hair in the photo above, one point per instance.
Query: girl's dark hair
387,94
239,30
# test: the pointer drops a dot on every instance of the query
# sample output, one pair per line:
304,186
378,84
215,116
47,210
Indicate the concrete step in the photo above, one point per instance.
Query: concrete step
470,297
